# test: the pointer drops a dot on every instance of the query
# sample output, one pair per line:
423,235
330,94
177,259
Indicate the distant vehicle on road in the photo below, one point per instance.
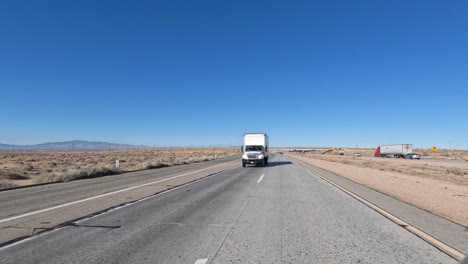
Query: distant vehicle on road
255,149
357,155
394,151
412,156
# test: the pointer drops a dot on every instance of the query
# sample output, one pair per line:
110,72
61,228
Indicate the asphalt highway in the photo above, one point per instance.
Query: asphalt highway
29,211
275,214
43,196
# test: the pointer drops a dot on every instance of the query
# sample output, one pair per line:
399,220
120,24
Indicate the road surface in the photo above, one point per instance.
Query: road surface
277,214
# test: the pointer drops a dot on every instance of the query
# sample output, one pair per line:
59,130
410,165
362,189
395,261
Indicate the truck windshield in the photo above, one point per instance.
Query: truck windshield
253,148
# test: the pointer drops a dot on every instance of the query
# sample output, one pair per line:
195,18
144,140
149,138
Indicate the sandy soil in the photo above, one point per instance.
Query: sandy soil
452,171
25,168
434,186
442,154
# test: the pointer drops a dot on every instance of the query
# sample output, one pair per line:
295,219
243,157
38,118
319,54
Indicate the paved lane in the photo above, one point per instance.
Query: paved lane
15,202
238,216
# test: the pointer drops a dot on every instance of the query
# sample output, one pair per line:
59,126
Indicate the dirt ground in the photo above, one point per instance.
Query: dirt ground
26,168
438,186
441,154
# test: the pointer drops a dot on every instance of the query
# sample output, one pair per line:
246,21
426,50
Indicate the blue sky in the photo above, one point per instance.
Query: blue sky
191,73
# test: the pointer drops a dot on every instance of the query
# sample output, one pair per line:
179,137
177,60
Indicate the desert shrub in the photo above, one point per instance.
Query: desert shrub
44,178
151,165
346,161
455,171
51,164
27,167
66,175
368,163
63,166
14,175
7,184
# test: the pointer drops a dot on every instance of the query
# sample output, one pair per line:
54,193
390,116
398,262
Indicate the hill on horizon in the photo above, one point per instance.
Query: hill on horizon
74,145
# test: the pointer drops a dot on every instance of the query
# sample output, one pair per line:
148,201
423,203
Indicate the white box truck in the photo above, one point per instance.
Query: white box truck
255,149
394,151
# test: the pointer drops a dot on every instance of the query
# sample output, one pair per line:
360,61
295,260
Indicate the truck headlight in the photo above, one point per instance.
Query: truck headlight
260,156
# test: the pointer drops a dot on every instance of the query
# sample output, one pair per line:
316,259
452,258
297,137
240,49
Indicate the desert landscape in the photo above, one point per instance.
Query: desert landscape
437,183
449,166
441,154
28,167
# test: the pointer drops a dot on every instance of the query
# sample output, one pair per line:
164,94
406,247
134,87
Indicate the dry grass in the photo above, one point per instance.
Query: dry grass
441,154
456,171
452,169
437,186
7,184
23,168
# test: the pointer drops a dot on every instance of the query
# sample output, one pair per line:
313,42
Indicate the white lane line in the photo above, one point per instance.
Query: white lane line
261,178
106,212
107,194
201,261
452,252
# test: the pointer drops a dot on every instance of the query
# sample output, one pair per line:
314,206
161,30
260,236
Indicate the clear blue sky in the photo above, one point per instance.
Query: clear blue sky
190,73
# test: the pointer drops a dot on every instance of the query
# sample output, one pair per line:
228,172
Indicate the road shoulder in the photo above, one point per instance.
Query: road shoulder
452,234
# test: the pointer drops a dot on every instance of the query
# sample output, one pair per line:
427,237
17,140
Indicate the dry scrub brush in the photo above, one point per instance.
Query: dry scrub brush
429,169
43,167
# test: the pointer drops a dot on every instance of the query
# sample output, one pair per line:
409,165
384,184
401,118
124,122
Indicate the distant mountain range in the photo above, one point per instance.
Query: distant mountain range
75,145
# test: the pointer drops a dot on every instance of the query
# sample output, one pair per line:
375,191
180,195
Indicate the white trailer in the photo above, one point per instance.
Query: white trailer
255,149
398,150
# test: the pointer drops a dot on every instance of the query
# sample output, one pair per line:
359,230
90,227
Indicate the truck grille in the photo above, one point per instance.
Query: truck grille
251,156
